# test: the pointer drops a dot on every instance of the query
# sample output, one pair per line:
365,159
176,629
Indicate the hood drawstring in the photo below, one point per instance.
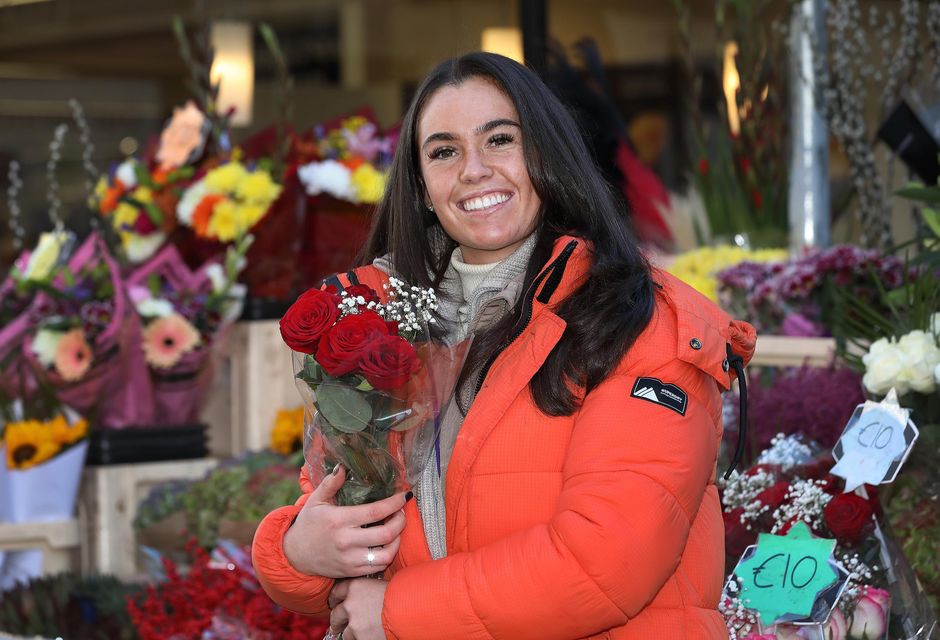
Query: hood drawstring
736,362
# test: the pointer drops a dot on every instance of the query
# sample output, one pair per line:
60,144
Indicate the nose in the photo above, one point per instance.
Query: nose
475,166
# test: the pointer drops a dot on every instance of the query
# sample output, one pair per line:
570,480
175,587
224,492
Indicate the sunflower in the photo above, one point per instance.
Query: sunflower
65,434
29,443
287,435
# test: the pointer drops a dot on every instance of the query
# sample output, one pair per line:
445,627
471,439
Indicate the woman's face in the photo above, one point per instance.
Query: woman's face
470,145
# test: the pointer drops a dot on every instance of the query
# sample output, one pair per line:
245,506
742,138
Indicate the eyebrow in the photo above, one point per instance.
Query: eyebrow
483,128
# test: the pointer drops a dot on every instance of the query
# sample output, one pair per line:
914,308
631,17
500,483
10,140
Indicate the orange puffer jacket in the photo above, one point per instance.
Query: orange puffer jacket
602,524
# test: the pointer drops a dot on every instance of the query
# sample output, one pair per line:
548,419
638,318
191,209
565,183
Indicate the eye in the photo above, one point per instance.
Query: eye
441,153
501,139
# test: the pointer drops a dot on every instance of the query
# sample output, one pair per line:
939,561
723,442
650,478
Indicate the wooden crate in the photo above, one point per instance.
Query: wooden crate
787,351
107,505
59,542
255,379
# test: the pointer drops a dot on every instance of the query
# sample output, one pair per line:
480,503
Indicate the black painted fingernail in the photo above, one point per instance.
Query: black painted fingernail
409,496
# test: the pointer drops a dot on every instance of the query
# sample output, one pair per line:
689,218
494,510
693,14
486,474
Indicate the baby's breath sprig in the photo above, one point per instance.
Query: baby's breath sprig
786,451
860,575
741,489
412,307
13,204
740,620
805,501
52,180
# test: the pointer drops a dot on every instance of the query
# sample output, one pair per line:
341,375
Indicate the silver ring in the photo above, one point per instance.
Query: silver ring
370,557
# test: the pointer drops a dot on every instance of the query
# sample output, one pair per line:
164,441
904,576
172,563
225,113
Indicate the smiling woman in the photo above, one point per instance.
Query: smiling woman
474,170
572,497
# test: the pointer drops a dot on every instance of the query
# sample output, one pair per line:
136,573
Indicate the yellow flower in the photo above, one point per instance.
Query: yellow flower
250,214
100,189
124,216
224,225
65,434
29,443
258,188
369,183
699,267
287,434
225,179
142,195
45,256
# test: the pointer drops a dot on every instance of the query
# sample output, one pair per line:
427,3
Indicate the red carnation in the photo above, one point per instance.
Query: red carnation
774,496
368,293
848,517
342,348
308,319
390,362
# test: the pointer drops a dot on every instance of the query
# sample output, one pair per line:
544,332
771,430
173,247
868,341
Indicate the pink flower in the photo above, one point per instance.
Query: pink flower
167,339
836,626
869,619
880,596
73,356
182,137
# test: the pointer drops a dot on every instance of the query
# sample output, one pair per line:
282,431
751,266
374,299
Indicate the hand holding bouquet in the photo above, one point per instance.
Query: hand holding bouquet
373,397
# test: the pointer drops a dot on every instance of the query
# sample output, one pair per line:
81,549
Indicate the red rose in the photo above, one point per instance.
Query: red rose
343,347
308,318
737,536
390,362
368,293
848,517
774,496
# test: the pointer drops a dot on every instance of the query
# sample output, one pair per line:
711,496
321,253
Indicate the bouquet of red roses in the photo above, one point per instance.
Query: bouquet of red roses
373,382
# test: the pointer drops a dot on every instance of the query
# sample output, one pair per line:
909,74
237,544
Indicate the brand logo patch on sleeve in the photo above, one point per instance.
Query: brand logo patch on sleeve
658,392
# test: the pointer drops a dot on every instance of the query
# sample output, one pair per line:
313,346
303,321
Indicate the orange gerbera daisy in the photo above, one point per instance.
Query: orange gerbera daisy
167,339
73,355
202,214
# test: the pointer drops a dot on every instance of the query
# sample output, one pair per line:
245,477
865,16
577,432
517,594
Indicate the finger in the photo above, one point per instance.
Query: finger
382,557
339,619
329,486
380,535
338,593
379,510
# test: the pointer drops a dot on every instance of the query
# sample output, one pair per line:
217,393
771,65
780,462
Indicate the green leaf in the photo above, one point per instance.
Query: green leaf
154,213
932,218
344,408
142,175
924,194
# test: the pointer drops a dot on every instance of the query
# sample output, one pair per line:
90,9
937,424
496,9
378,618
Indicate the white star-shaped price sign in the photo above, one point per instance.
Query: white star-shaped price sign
875,443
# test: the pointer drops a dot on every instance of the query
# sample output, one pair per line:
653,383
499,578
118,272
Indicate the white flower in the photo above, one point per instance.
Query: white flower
933,325
45,256
233,308
187,204
139,248
328,176
216,275
155,308
936,374
45,344
883,367
920,356
126,174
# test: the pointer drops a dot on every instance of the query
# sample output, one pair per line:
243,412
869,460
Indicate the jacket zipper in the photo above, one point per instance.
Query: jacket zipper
562,259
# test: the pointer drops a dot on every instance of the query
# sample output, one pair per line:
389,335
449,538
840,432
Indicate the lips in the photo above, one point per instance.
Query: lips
485,201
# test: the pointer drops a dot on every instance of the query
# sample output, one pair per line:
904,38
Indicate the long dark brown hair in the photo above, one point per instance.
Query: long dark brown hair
607,312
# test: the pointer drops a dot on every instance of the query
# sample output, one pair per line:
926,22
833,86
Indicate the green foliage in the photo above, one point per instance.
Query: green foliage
69,606
238,490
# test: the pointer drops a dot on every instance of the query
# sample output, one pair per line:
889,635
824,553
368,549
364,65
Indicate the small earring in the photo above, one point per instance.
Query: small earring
431,208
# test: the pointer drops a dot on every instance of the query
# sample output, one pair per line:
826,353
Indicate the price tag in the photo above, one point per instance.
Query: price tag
786,574
875,443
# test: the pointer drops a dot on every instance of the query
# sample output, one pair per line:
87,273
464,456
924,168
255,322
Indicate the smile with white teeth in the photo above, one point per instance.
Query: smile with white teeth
485,202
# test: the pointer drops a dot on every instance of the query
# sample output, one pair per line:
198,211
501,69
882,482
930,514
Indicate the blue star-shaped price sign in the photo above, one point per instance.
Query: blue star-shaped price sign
786,573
